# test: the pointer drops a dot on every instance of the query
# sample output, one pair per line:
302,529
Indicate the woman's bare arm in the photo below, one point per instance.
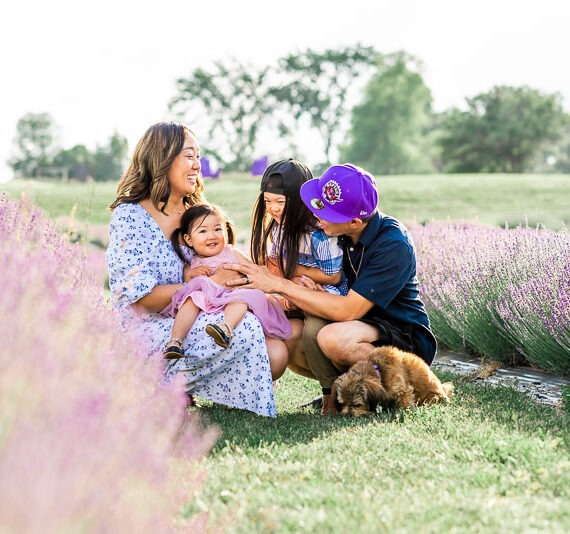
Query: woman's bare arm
157,299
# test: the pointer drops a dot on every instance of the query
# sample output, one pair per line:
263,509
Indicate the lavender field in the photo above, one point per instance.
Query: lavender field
90,441
499,293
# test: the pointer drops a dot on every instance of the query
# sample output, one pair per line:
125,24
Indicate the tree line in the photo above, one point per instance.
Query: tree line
38,154
375,109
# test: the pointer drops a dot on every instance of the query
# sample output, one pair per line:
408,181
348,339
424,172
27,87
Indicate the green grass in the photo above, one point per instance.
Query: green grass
494,199
58,198
492,461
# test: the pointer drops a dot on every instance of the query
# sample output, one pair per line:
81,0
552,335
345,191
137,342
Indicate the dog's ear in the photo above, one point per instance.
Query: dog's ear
375,392
334,392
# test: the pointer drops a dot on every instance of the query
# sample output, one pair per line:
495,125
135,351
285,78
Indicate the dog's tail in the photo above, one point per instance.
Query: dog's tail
449,389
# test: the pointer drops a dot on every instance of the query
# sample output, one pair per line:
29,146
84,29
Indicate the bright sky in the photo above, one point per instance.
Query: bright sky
111,65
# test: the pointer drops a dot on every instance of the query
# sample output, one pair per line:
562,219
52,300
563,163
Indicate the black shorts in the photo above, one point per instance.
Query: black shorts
390,333
295,314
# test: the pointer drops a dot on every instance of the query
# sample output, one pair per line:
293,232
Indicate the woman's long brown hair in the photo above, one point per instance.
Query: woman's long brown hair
146,176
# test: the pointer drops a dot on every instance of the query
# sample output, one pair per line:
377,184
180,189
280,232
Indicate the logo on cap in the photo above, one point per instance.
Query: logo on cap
332,192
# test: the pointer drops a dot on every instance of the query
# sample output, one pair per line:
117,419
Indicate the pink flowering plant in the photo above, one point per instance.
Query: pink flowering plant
497,292
90,439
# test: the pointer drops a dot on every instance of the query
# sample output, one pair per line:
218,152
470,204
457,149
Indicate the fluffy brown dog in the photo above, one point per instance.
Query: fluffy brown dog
389,377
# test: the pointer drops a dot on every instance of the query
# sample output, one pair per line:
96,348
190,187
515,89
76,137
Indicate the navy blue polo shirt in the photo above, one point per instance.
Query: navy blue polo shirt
381,267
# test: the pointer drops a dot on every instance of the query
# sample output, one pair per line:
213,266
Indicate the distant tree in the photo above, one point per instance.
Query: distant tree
77,160
561,155
503,130
35,143
231,101
108,162
388,133
317,85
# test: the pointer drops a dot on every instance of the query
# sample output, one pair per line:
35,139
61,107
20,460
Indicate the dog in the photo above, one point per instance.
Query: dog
391,377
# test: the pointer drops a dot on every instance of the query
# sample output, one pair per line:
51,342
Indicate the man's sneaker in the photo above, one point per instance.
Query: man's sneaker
316,404
329,405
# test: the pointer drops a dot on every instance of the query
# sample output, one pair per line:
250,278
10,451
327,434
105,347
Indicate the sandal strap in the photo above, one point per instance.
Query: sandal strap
226,327
174,341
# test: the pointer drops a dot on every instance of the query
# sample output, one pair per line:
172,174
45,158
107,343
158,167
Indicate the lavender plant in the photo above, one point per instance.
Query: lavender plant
497,292
90,441
535,314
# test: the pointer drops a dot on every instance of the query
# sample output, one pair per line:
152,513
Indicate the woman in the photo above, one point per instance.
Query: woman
163,180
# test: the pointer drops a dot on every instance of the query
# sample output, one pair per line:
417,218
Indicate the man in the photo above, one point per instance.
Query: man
382,306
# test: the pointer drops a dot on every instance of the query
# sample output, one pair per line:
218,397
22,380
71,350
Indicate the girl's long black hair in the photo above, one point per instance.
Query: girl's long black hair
193,216
296,220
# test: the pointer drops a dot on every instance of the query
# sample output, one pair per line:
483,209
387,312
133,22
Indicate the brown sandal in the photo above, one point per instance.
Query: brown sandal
173,349
221,333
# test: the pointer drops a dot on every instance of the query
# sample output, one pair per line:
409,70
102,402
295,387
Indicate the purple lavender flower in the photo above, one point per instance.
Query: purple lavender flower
498,292
87,432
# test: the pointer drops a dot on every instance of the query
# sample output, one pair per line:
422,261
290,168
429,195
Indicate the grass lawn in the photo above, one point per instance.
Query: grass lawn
492,461
494,199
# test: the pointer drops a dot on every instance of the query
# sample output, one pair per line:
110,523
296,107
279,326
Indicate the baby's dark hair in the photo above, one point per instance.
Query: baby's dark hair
284,177
193,216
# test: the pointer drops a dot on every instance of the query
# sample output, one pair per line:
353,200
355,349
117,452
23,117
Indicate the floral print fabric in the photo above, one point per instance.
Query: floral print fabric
139,257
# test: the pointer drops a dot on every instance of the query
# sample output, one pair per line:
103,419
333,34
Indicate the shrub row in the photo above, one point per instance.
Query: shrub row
500,293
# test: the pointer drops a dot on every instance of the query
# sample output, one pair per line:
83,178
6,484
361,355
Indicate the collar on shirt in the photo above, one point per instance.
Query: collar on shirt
369,235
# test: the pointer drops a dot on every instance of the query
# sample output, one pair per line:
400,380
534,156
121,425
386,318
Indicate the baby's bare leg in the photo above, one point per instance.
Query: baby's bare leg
184,319
234,312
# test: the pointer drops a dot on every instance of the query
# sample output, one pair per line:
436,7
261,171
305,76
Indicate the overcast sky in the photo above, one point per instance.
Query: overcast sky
110,65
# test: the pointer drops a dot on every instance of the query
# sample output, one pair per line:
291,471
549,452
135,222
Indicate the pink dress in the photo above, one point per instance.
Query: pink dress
212,297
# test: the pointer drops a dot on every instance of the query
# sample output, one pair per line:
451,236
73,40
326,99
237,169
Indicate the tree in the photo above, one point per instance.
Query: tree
503,130
317,86
232,103
77,160
388,132
35,142
561,154
108,162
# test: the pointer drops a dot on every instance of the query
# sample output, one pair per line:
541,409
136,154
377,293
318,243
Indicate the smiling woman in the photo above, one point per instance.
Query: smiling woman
162,181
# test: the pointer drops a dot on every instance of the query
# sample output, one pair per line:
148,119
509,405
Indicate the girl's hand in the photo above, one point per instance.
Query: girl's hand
285,304
222,275
273,266
308,282
201,270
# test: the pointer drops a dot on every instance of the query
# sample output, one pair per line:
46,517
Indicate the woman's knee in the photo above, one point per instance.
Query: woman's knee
278,357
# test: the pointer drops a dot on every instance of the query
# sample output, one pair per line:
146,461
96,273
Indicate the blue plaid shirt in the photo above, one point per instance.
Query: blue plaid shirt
318,250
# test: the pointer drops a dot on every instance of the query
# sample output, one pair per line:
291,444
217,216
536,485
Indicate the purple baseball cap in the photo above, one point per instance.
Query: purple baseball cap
342,193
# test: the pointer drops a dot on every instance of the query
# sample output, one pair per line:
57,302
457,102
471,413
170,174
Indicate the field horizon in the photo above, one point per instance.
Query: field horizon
493,199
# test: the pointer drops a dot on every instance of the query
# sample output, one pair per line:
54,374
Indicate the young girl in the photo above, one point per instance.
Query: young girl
285,234
287,239
210,235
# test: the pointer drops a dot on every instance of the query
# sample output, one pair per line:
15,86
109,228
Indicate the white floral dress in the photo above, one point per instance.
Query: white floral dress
139,257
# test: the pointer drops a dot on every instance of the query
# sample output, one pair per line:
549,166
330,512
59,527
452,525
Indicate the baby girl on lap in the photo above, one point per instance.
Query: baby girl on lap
210,236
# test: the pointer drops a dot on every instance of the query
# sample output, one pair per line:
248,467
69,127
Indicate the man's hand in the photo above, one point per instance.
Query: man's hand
255,277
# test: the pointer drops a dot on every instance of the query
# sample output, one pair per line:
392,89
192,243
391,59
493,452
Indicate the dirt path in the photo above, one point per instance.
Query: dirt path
541,386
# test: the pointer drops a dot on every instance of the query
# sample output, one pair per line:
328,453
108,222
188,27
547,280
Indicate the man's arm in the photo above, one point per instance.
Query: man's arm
331,307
